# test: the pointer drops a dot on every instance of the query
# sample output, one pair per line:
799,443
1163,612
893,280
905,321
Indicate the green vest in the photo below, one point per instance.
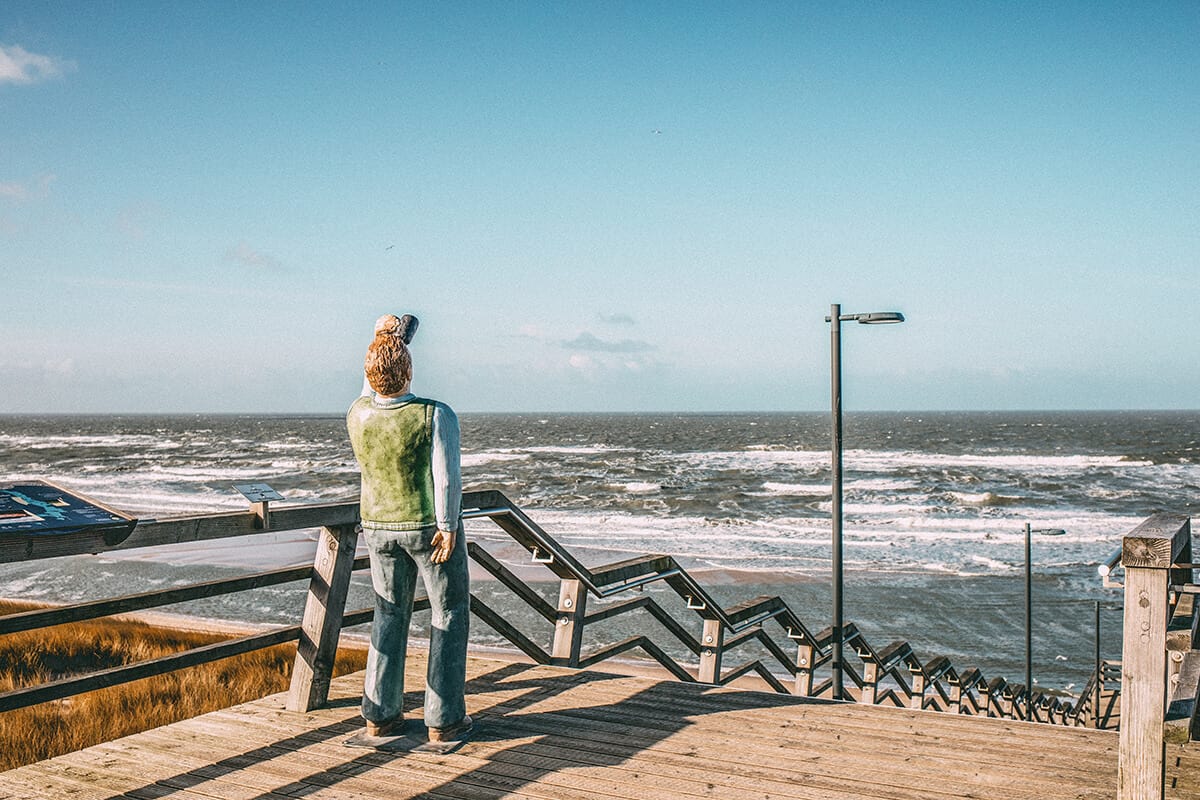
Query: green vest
394,448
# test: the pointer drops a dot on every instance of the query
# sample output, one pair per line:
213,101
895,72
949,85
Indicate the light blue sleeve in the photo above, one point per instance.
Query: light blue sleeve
447,470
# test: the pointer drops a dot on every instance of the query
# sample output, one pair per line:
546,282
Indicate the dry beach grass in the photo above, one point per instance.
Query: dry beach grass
50,729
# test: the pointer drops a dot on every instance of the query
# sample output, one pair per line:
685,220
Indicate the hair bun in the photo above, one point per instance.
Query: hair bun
390,325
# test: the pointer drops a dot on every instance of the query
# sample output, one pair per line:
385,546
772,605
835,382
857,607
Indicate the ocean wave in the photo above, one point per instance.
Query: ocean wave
479,459
988,499
887,461
797,489
581,450
120,440
637,487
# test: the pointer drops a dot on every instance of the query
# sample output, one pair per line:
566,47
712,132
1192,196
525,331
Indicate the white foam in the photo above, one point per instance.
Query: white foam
796,489
582,450
758,457
478,459
637,487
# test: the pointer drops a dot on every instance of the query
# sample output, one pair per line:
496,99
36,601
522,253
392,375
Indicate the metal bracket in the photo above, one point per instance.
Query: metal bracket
260,496
548,559
695,606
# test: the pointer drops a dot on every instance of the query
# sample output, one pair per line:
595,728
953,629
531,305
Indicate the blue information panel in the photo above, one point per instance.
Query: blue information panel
39,508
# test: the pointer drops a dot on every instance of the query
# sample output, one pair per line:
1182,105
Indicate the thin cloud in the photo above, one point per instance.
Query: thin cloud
587,341
617,319
20,192
242,253
18,65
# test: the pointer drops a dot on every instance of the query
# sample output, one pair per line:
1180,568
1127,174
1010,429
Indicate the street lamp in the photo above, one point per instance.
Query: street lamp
1029,531
836,318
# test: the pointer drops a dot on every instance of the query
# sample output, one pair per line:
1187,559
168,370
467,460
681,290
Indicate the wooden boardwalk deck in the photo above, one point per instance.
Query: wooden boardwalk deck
560,734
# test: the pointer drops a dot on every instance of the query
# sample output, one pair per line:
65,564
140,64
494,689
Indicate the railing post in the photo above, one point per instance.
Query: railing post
322,623
919,687
805,665
870,682
568,633
1147,554
712,640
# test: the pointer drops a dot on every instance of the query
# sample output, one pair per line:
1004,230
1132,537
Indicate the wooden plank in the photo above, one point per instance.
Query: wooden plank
78,612
989,738
1144,668
322,622
176,530
659,711
557,734
536,757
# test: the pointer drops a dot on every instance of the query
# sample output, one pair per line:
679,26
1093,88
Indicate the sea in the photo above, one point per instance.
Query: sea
935,507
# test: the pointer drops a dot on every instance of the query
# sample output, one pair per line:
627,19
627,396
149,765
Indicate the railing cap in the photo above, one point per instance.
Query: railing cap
1157,542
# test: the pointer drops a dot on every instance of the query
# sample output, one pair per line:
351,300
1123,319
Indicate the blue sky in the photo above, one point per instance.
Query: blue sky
204,207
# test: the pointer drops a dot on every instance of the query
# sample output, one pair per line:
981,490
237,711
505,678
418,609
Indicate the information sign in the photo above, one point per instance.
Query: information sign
35,508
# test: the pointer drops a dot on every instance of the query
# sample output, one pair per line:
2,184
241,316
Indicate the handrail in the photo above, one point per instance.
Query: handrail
1108,566
893,675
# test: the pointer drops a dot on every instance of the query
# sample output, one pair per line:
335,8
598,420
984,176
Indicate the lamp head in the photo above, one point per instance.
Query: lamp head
880,318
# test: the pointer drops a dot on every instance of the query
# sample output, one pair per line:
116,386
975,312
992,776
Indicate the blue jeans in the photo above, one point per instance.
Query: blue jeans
396,558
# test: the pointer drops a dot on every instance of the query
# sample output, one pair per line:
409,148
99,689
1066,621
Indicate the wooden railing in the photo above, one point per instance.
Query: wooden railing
1159,671
793,660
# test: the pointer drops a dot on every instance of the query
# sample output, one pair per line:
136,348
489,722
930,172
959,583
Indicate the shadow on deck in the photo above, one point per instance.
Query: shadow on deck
546,732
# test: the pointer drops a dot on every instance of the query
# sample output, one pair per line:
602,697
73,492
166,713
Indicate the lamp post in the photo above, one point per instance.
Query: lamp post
836,318
1029,612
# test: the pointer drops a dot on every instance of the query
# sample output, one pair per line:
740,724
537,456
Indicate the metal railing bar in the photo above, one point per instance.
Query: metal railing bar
789,663
502,627
655,610
758,619
766,641
616,609
56,690
642,581
514,584
655,652
529,534
631,568
759,669
478,513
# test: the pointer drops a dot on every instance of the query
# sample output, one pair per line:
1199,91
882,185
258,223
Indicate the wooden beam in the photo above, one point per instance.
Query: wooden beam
712,645
568,632
176,530
1147,553
78,612
69,687
322,623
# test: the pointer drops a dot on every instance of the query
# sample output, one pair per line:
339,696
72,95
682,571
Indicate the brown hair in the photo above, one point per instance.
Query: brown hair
388,364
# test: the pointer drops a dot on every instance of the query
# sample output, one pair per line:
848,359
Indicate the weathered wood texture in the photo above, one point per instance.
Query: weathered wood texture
1148,554
558,734
322,623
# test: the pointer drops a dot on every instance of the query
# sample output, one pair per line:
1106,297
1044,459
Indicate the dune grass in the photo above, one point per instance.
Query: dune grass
49,729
